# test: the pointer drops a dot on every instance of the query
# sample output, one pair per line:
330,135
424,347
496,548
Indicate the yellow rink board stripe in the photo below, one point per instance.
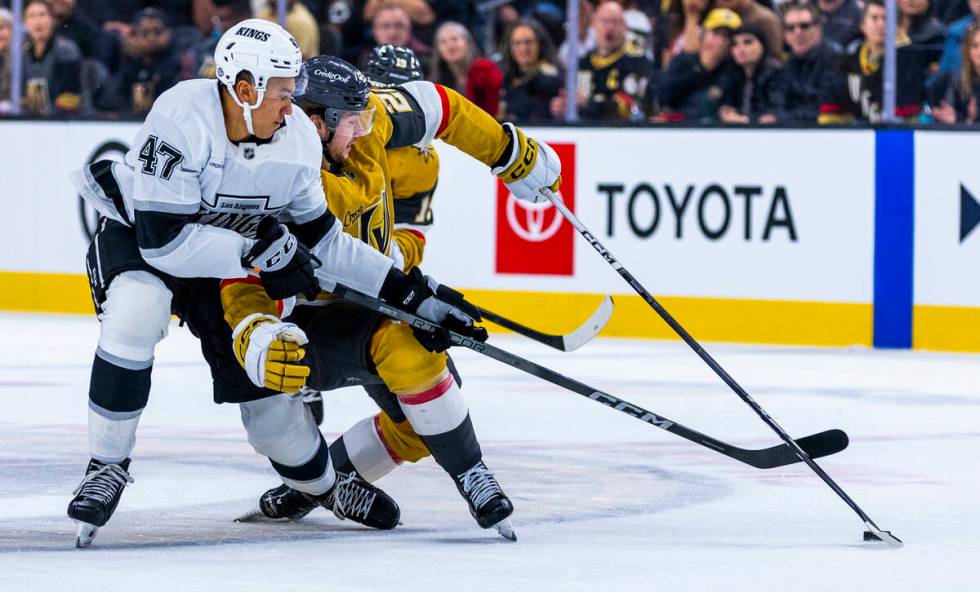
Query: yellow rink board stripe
708,319
45,292
946,328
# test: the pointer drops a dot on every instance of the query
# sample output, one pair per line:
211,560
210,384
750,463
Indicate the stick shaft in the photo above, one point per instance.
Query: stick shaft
702,353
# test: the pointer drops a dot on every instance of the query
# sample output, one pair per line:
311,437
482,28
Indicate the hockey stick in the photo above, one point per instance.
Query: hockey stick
873,533
566,342
817,445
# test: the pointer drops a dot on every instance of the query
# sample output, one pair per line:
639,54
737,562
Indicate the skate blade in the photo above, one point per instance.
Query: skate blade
505,530
86,533
254,515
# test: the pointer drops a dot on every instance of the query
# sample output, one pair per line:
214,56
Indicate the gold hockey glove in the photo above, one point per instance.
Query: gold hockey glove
270,352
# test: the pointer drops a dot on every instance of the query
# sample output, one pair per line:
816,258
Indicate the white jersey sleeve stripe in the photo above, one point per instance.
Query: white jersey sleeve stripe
310,215
164,207
201,251
431,102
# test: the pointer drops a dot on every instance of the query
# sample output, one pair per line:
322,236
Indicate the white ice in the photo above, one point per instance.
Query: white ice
604,502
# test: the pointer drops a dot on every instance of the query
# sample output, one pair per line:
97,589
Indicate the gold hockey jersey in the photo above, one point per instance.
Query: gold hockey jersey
414,174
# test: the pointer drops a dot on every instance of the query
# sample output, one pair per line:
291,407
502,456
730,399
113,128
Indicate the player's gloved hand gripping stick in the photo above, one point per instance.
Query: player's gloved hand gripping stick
420,294
873,533
285,266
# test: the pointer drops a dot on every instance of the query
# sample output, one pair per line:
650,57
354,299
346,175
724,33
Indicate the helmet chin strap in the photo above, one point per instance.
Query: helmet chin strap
247,109
326,148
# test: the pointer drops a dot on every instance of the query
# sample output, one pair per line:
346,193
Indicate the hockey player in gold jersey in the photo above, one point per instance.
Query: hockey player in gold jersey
414,173
410,375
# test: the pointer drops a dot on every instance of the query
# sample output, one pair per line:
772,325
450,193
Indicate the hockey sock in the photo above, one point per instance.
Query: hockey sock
441,418
315,476
118,392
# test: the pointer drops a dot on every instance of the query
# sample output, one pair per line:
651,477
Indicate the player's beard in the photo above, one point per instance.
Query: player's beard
337,154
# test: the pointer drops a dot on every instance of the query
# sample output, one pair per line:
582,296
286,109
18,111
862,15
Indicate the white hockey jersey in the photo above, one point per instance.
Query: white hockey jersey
195,198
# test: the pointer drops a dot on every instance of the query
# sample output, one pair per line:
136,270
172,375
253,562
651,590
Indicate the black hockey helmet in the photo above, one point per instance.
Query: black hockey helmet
336,88
390,66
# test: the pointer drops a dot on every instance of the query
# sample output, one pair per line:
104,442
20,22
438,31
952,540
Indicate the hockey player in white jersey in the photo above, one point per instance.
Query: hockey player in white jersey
211,161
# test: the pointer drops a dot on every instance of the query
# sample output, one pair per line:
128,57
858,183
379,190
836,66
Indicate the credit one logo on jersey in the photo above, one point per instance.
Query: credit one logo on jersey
535,238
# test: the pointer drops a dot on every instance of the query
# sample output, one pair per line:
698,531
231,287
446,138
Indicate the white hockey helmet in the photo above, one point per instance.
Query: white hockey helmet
263,49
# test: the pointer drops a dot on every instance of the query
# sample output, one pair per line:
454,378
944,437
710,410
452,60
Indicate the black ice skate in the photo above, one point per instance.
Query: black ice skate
96,498
351,498
280,503
488,503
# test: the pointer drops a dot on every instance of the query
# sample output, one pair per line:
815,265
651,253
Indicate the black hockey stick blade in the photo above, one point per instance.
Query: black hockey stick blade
566,342
816,446
823,443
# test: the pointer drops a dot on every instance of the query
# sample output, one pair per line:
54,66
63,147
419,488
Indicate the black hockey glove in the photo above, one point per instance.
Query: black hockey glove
284,264
419,294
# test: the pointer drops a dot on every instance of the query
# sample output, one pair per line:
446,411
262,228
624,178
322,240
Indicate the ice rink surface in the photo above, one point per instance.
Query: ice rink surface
604,502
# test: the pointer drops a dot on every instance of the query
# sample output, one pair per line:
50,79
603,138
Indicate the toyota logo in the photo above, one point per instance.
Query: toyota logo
533,222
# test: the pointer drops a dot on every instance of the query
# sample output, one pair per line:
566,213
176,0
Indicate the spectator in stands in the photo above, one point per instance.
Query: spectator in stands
112,14
531,77
52,64
672,24
813,81
614,76
71,24
463,12
424,15
586,34
457,64
6,37
755,15
418,11
392,26
841,22
227,14
754,93
691,87
951,59
151,69
299,22
864,73
925,32
960,91
950,11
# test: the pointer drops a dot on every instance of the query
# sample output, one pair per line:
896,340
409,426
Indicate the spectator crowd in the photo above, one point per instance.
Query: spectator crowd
762,62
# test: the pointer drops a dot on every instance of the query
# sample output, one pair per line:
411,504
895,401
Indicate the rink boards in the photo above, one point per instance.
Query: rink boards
825,237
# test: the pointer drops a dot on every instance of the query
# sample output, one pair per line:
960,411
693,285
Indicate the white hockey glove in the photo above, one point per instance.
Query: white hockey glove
269,351
420,294
528,167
